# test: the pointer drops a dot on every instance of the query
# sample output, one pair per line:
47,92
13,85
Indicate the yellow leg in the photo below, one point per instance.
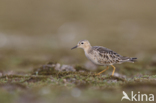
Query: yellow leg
103,71
113,70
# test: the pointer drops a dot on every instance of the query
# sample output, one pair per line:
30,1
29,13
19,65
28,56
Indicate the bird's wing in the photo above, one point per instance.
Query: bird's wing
107,53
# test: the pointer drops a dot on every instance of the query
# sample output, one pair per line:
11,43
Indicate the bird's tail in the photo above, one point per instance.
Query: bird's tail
128,59
132,59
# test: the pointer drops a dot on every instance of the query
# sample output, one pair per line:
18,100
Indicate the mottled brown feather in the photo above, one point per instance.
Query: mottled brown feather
106,56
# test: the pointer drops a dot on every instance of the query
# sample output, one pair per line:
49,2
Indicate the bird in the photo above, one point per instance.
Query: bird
102,56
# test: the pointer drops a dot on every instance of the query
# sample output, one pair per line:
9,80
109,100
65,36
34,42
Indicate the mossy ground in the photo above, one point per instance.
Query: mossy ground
48,85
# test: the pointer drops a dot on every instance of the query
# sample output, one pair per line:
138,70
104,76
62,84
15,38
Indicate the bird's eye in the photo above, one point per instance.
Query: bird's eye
81,43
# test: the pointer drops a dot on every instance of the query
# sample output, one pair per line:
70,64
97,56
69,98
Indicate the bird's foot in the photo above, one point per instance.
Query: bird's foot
97,74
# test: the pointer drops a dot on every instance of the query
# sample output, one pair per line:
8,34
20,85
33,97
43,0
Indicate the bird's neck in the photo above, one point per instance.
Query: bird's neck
87,49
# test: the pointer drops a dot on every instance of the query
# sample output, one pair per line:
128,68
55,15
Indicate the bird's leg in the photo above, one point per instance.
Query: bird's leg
113,70
103,71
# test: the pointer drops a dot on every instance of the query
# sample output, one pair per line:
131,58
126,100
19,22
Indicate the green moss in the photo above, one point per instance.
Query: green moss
79,68
115,78
36,79
46,80
44,70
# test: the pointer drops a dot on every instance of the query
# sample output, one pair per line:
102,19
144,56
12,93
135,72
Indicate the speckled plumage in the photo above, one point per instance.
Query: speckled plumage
102,56
105,56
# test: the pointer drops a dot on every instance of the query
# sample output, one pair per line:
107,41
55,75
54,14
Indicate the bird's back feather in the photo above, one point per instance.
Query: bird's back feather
106,56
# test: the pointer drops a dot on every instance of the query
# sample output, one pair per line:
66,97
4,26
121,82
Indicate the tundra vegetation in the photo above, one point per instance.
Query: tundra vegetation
38,66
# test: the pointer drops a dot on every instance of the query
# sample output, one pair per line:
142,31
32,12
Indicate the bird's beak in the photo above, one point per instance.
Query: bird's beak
74,47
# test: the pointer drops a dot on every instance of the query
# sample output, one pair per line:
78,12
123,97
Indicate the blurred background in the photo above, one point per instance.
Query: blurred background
35,32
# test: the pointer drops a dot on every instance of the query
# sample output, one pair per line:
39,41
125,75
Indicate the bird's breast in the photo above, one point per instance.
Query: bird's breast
92,57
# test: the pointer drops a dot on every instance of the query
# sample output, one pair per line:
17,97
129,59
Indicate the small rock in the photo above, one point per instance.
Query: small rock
119,75
67,68
64,80
57,66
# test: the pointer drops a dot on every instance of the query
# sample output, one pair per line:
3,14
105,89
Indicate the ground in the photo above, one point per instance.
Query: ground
47,85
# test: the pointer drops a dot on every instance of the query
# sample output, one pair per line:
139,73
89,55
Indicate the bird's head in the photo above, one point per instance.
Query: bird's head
84,44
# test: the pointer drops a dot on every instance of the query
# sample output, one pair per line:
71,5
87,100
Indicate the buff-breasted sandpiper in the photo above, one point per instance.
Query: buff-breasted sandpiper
102,56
